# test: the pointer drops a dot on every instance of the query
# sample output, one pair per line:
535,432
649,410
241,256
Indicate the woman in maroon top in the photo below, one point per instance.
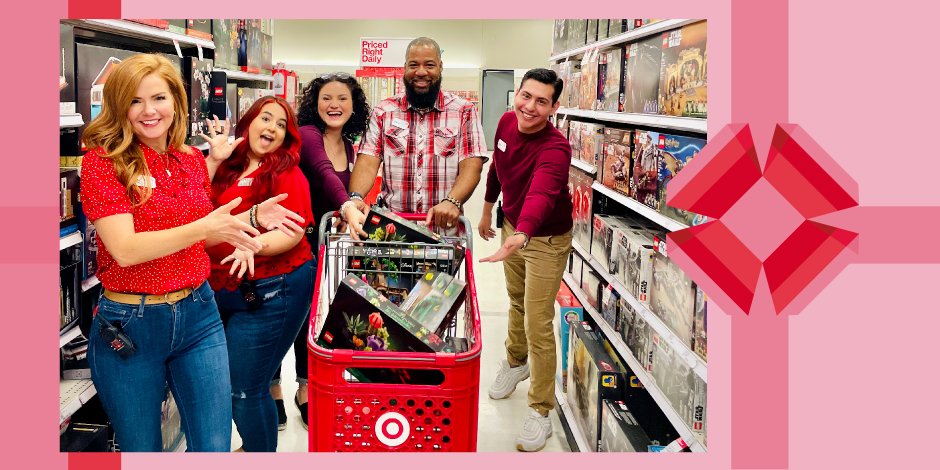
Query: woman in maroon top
332,114
264,311
157,323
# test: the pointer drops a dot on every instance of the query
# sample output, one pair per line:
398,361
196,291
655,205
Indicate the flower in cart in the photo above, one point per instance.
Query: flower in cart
357,342
374,343
390,230
375,320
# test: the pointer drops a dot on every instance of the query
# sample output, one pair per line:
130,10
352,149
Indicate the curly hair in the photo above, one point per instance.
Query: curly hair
308,114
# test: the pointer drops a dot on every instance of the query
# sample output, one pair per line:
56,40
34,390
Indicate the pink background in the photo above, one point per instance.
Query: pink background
860,380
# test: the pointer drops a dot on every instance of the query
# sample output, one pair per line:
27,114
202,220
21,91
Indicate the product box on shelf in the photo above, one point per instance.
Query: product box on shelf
218,102
591,284
618,148
610,305
684,389
251,61
570,310
587,95
574,138
612,86
620,431
199,81
66,69
199,28
69,289
84,437
177,26
639,339
574,97
617,26
676,152
267,27
602,239
266,54
592,144
582,196
577,33
75,359
559,37
435,300
700,325
591,31
672,297
68,193
89,246
225,36
641,88
683,81
576,267
625,318
603,29
644,181
637,270
594,376
247,97
231,104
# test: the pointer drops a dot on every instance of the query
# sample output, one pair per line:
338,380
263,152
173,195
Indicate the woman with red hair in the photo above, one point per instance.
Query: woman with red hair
264,310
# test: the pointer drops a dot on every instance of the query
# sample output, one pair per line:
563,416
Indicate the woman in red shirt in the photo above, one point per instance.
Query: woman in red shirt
265,310
157,323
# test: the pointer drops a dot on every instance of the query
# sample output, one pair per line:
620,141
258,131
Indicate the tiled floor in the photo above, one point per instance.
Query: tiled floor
499,420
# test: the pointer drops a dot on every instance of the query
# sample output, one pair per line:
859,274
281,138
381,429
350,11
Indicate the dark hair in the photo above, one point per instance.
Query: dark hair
307,113
278,161
548,77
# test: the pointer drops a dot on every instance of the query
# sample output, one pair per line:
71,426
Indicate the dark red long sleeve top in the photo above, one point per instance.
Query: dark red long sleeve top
531,170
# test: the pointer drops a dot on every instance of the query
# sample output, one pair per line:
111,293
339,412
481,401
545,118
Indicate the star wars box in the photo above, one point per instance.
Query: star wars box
610,305
602,239
594,376
570,310
644,179
618,148
588,93
592,144
577,33
199,82
199,28
603,29
683,81
618,26
435,300
639,340
636,270
672,297
620,431
559,37
563,69
574,138
641,88
581,198
225,36
684,390
591,31
625,318
612,85
676,152
700,325
574,97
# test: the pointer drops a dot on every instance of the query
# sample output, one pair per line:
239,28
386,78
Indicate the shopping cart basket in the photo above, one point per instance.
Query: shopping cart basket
347,415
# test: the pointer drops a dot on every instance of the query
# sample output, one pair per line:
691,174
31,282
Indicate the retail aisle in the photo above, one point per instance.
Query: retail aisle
499,420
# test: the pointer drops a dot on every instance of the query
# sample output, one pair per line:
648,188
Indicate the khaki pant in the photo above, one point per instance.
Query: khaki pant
533,276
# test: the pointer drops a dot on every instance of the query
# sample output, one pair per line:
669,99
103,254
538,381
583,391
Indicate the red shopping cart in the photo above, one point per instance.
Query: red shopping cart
348,415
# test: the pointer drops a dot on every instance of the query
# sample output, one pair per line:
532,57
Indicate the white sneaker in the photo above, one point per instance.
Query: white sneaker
535,430
506,379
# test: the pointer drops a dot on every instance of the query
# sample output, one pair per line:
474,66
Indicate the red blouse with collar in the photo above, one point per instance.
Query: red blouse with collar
181,188
294,183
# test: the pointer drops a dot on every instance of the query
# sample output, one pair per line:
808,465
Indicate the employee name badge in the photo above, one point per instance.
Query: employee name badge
142,182
501,145
400,123
245,181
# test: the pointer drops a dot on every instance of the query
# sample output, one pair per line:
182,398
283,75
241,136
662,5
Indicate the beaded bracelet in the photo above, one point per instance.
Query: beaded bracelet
253,216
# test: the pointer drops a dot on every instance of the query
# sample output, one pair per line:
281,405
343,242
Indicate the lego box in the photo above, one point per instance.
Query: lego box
644,182
559,37
570,310
672,297
582,196
618,146
637,270
683,82
620,431
592,144
641,88
700,325
200,79
225,36
589,68
577,33
610,303
676,152
612,85
594,376
435,300
199,28
384,225
684,390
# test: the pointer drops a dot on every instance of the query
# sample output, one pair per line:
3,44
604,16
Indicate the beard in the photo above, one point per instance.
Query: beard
423,100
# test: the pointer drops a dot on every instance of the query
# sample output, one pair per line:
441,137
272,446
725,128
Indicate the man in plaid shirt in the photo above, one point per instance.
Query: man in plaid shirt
430,141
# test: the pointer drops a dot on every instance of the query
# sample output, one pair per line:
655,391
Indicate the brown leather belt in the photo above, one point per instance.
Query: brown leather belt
134,299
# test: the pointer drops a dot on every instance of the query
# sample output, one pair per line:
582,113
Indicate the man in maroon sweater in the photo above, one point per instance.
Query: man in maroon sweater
530,168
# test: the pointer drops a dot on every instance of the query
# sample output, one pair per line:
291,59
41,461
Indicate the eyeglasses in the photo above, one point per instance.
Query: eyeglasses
332,75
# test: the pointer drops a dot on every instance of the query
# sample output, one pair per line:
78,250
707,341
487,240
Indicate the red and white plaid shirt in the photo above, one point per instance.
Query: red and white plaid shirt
420,151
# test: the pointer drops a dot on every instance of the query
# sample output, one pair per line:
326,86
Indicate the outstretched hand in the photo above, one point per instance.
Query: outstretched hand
222,227
242,260
272,215
509,247
219,146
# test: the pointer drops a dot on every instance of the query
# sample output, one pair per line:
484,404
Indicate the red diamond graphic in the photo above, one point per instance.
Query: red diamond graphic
762,219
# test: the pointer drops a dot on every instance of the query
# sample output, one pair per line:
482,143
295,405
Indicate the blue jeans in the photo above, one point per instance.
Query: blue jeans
257,342
300,346
182,345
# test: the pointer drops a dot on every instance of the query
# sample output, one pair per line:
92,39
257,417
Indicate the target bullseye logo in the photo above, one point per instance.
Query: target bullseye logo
392,429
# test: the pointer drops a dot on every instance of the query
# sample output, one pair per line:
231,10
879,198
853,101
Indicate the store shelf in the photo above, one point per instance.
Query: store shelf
629,36
681,427
70,120
677,123
581,164
142,31
639,208
69,240
68,335
239,75
682,350
72,395
579,442
89,283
